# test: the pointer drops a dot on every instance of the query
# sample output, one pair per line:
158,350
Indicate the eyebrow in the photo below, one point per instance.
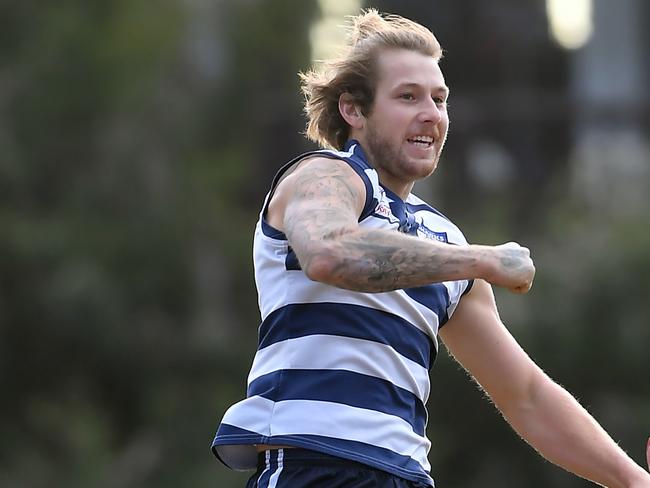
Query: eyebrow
441,88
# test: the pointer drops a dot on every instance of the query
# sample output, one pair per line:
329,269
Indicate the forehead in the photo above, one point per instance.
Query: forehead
401,66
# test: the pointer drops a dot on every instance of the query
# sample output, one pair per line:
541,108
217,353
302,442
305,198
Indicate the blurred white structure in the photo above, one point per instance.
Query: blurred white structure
609,85
328,34
570,23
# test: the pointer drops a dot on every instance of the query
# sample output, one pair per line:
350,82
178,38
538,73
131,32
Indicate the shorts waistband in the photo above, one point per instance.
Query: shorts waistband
296,455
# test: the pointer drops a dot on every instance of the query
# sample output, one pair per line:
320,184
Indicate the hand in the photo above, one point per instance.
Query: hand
513,268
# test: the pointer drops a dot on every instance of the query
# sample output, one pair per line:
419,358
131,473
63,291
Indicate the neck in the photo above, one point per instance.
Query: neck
401,189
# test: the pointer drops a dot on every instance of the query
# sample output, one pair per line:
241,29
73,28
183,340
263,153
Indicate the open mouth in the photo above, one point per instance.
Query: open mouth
421,141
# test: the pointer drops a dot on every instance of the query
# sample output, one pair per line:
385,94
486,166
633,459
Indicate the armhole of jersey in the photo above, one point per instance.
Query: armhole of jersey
470,284
277,178
367,207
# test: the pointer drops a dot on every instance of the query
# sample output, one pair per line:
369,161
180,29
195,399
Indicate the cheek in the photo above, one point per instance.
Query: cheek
444,124
396,114
391,124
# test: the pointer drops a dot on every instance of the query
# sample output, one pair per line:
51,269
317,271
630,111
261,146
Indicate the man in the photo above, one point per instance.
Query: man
357,279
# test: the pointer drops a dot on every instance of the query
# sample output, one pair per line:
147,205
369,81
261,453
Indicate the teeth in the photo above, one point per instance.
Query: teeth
422,139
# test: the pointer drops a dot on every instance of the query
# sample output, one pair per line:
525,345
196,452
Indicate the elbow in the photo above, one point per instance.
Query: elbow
528,399
322,267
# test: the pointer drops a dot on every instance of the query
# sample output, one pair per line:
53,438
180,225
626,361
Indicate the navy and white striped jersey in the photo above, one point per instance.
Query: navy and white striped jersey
336,371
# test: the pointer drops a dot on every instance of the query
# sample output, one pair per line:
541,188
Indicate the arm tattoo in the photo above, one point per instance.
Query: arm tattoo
321,222
387,260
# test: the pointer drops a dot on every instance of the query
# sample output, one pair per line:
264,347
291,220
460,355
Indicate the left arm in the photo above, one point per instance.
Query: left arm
539,410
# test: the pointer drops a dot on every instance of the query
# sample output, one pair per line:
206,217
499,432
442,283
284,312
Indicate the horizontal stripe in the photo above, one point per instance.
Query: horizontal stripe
344,387
229,444
342,319
435,297
282,288
314,418
342,353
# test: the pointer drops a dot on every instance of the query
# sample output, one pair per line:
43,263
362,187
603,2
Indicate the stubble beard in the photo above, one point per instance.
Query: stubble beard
387,158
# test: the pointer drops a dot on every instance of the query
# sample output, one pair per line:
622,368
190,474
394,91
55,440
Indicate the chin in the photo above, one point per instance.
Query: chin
422,168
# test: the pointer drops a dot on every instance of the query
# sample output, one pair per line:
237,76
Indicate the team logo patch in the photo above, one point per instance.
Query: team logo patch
424,231
383,208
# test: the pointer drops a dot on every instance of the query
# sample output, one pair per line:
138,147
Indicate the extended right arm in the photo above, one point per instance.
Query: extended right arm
317,207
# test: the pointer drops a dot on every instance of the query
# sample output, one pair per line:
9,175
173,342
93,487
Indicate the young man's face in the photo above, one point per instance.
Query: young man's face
405,131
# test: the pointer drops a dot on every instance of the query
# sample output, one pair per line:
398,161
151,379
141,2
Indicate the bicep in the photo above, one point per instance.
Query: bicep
319,201
480,342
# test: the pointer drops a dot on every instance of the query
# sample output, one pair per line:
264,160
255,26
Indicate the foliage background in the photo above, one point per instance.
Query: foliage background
137,141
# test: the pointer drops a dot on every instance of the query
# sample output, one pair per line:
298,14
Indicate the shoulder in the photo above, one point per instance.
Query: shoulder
320,171
316,180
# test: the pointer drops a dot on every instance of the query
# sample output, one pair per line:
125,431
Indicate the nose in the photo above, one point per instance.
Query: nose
430,112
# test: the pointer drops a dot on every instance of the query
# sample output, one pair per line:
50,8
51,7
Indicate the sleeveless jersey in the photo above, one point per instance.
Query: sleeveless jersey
336,371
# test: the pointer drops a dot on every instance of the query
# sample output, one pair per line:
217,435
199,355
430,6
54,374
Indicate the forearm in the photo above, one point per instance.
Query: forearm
318,206
557,426
371,260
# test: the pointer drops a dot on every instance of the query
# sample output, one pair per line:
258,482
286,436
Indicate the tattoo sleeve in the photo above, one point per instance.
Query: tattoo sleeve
321,224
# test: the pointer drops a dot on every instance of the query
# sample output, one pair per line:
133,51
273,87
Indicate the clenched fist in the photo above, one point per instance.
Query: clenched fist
509,266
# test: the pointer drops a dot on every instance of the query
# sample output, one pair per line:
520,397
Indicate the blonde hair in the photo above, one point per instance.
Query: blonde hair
355,72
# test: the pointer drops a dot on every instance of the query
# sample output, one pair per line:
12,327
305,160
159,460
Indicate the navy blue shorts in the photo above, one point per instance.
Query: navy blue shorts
301,468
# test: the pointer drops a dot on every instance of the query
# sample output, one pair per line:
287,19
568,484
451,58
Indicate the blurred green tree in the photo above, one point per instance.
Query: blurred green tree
127,306
136,143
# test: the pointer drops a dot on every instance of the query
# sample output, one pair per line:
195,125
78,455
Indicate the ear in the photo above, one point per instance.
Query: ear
350,112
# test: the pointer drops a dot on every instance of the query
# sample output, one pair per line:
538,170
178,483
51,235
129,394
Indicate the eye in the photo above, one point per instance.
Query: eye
439,101
407,96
